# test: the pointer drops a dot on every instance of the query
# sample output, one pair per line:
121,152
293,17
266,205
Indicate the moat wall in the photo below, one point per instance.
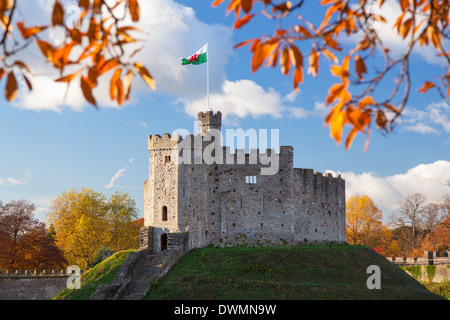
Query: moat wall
39,288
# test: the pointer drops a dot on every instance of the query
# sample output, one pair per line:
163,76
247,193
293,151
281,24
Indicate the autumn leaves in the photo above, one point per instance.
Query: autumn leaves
421,21
94,46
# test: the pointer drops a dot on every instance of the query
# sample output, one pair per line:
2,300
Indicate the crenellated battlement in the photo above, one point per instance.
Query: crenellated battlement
35,273
209,120
429,258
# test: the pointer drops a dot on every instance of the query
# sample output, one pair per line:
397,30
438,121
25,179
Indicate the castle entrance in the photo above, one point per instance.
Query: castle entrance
163,242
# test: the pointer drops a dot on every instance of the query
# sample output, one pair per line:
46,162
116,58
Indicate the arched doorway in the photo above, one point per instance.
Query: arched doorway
163,242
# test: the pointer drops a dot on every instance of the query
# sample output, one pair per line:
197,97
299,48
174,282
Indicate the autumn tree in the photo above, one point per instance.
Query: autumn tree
24,241
16,219
363,220
84,221
359,99
121,216
95,46
37,251
445,205
441,235
410,213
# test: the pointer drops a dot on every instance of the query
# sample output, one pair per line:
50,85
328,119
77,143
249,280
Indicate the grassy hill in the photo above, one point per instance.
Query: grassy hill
247,273
102,273
302,272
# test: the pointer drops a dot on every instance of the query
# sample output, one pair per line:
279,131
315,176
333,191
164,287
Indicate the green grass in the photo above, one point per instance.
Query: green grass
442,289
102,273
302,272
416,271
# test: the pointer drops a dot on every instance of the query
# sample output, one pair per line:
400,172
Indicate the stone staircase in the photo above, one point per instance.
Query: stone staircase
133,279
139,279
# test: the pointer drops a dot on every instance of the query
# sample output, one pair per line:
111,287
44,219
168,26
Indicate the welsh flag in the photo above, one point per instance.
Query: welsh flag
197,58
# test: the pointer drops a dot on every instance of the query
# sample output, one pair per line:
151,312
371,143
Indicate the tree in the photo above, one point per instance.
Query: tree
84,221
16,219
445,205
94,45
410,213
124,231
433,215
24,241
441,236
39,252
363,221
353,98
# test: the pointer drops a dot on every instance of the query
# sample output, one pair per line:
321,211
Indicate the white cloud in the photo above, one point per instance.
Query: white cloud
131,160
118,174
243,98
17,182
427,179
143,124
291,97
435,119
240,99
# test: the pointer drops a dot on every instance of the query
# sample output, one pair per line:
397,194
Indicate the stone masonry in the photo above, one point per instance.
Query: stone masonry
239,198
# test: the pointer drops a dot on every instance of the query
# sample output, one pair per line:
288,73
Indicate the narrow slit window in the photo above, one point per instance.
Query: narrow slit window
164,213
167,159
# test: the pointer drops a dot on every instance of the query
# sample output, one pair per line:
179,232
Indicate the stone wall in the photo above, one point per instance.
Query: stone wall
31,288
434,274
235,199
429,258
217,204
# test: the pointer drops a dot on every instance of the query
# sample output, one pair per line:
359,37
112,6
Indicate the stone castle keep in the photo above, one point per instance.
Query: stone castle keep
228,198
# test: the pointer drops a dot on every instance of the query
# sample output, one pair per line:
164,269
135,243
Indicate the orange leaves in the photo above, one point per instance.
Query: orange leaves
134,10
360,67
420,21
344,112
341,71
426,86
11,87
116,87
29,32
58,14
313,62
91,49
86,86
240,22
404,28
145,75
285,61
247,5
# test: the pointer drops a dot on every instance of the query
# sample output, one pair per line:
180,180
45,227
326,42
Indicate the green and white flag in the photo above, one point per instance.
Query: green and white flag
197,58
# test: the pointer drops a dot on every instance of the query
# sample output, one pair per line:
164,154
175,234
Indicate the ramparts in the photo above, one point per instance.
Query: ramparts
430,258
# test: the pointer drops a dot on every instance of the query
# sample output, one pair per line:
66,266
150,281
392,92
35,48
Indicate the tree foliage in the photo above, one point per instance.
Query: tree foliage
363,220
94,46
300,47
85,221
24,241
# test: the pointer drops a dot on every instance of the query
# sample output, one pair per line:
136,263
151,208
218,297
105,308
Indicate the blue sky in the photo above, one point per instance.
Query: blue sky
48,146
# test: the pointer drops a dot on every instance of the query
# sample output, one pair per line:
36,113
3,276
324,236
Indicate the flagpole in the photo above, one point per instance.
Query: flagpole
207,73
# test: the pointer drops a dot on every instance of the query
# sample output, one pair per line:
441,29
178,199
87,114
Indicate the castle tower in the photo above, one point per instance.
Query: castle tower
209,120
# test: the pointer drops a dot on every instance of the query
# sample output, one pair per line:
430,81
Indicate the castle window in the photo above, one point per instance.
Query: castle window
166,159
250,179
164,213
